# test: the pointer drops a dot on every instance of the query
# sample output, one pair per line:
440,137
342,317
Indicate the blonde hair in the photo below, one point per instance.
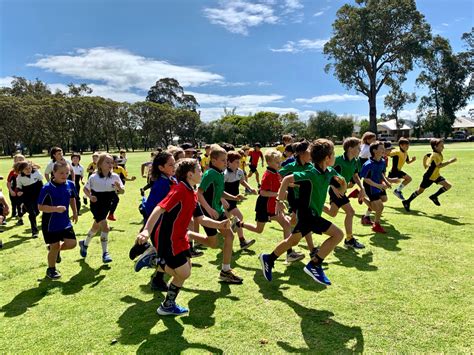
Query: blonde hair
216,151
102,157
272,155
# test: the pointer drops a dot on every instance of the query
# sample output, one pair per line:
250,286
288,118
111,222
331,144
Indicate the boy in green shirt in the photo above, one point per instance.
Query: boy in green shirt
313,185
347,166
212,197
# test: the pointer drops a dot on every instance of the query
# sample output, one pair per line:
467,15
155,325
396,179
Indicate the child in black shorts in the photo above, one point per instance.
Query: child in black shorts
54,199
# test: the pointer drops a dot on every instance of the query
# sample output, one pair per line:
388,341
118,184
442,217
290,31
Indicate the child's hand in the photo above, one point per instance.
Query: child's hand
74,218
93,199
142,237
117,185
336,191
6,210
224,224
19,193
453,160
61,209
382,187
240,197
253,191
133,178
413,159
213,213
361,196
225,204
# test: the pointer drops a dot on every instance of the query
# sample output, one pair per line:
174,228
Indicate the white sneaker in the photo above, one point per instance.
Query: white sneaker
293,257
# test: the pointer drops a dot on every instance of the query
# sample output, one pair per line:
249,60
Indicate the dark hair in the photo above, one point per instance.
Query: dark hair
115,158
122,151
350,142
374,146
207,146
233,156
403,140
159,160
184,166
20,166
227,146
387,145
75,154
53,151
257,145
59,165
367,135
290,148
320,149
435,141
301,147
186,146
286,137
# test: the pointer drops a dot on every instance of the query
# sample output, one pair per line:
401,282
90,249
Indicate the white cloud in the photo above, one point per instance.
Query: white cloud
6,81
331,98
319,13
235,101
301,46
122,69
292,5
445,24
237,16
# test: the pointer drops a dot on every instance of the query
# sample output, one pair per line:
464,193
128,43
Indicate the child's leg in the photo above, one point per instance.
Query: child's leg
286,244
335,237
104,235
309,241
180,274
348,221
68,244
257,177
227,250
331,210
258,228
240,232
92,232
30,208
445,186
377,207
53,254
284,223
115,202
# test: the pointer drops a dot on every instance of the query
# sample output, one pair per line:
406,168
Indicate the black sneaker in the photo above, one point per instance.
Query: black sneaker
19,222
84,200
52,273
435,200
142,192
245,244
137,249
196,253
353,243
35,235
230,277
406,204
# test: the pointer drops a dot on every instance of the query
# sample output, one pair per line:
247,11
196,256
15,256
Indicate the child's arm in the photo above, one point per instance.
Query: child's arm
89,195
246,184
119,187
211,223
282,192
228,196
266,193
52,209
409,161
10,190
72,203
212,212
358,182
387,181
144,235
370,182
450,161
261,156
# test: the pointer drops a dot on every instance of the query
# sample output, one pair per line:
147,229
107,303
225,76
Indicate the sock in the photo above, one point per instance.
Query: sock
318,261
349,237
89,237
104,237
159,276
367,213
171,295
273,257
400,188
439,192
412,197
226,267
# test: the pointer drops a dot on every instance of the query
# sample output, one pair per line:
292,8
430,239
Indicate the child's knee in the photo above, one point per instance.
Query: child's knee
350,212
54,246
408,178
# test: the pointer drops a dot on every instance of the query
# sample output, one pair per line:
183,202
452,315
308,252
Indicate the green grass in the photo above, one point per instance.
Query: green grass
409,290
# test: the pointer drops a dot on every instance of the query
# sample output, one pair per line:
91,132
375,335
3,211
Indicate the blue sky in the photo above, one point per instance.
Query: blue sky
253,55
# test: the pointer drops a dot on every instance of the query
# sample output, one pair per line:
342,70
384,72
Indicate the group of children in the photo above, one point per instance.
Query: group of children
188,190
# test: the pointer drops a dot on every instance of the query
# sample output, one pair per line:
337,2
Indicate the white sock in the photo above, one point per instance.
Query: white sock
226,267
104,237
89,237
367,213
400,188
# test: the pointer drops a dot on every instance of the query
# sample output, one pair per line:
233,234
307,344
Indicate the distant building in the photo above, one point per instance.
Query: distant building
389,129
463,124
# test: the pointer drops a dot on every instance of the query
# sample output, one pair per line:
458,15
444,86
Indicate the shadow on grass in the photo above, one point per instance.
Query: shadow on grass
138,320
13,243
438,217
30,298
388,241
352,259
320,332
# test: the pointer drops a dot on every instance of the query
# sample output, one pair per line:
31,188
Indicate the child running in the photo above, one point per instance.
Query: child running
12,190
313,184
167,227
92,167
78,176
123,174
347,166
432,174
211,194
399,158
57,155
375,184
205,158
54,199
367,139
255,154
100,189
233,178
29,183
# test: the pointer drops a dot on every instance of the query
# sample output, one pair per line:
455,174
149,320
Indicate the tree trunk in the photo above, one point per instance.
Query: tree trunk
373,111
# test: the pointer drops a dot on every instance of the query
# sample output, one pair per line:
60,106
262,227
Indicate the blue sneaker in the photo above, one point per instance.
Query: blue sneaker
145,259
82,248
174,310
317,273
267,266
106,258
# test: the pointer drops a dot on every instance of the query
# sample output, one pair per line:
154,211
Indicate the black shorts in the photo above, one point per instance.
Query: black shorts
310,223
375,196
210,232
425,183
100,209
232,205
173,261
338,201
55,237
263,216
398,174
253,168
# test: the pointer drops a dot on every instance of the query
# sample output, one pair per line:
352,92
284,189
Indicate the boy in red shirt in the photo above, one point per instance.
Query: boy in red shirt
255,154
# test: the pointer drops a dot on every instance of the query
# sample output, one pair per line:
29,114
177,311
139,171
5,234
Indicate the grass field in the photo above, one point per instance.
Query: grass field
409,290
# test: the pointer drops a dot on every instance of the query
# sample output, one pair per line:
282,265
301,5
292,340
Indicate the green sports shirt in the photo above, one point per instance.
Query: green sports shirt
345,167
294,167
313,185
212,183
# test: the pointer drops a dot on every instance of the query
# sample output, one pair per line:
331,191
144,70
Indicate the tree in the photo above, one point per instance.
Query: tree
376,43
448,78
364,126
168,91
396,100
293,125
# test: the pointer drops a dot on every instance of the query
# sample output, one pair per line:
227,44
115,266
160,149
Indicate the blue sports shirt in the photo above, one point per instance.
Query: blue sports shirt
53,194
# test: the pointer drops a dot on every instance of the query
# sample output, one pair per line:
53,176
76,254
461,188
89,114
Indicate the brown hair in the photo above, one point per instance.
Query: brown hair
122,151
350,142
434,142
320,149
403,140
53,151
75,154
102,157
233,156
216,151
287,138
367,136
59,165
184,166
374,146
20,166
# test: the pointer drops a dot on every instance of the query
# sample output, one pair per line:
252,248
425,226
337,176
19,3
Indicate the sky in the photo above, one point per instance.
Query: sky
255,56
